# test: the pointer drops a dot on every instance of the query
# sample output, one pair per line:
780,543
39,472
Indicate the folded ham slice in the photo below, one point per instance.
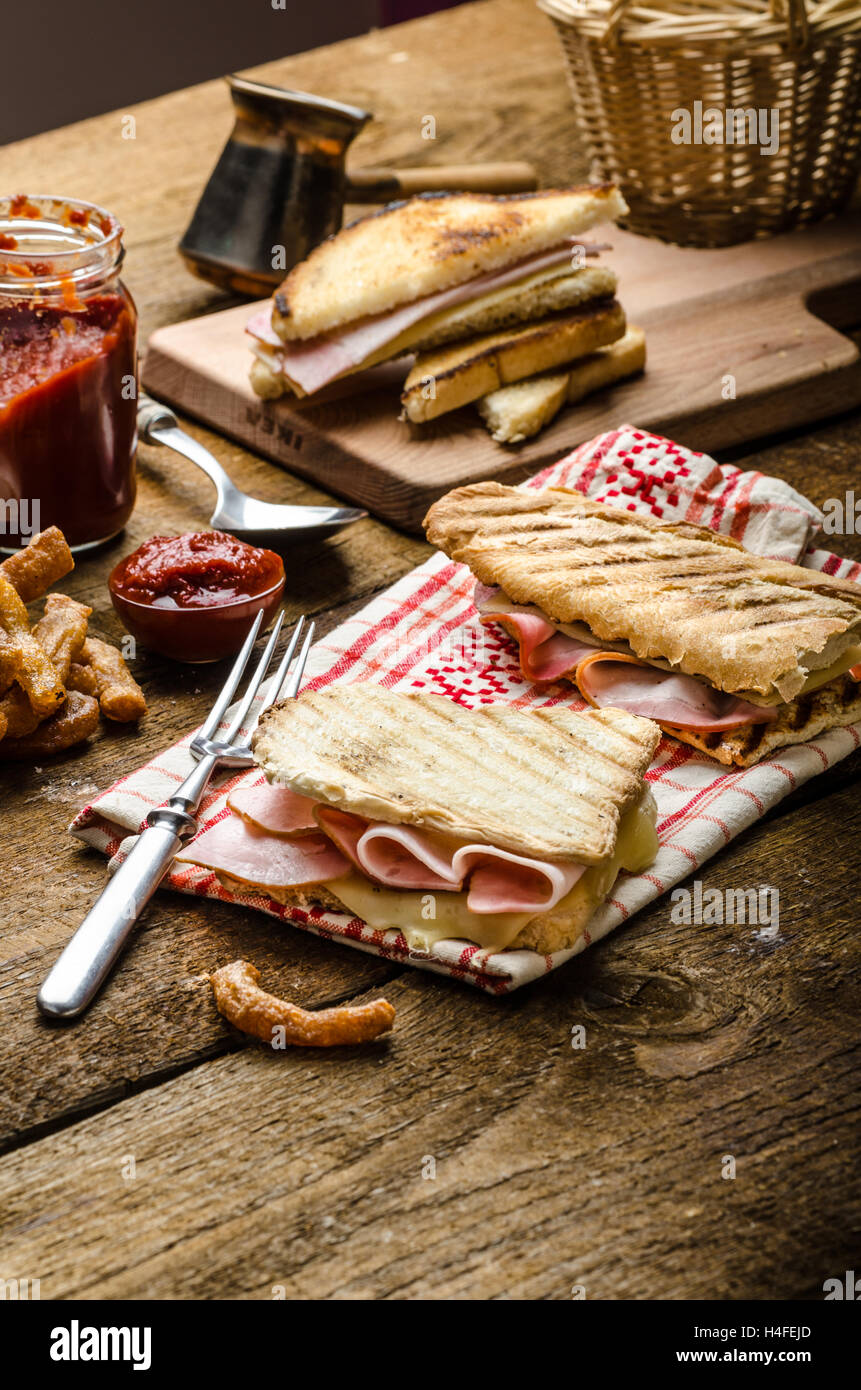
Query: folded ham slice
279,810
513,883
266,842
397,856
263,860
410,858
544,653
608,678
313,363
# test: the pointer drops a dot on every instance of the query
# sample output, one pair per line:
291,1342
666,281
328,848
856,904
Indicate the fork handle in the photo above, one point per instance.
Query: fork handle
86,962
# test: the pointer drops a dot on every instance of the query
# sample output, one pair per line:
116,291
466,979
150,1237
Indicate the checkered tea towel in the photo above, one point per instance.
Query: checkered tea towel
424,634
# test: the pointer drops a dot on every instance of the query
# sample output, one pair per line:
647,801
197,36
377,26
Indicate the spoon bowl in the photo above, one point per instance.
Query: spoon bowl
269,524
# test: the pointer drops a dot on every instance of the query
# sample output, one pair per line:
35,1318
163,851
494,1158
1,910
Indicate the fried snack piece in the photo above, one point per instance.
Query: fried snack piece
83,679
36,673
33,570
62,631
78,718
18,713
120,696
248,1007
9,658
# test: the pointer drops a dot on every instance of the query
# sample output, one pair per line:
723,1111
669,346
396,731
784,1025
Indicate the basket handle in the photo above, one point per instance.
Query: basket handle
793,11
797,27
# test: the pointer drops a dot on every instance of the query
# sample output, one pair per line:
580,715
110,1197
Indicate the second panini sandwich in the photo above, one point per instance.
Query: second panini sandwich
480,291
503,827
729,652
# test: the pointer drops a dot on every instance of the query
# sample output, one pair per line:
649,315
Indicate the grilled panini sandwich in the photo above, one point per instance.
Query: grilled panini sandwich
445,269
727,651
500,826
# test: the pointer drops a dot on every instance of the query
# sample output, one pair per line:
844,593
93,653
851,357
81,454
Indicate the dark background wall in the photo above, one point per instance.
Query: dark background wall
98,55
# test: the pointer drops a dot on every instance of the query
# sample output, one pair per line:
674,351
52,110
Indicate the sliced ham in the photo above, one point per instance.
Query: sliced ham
263,860
504,882
544,653
311,364
410,858
607,678
259,326
398,856
279,810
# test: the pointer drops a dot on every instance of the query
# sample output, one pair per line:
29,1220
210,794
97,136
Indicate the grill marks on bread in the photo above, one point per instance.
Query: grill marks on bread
550,782
832,706
672,591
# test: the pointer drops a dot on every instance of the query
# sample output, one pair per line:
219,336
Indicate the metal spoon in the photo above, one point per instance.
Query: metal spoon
259,523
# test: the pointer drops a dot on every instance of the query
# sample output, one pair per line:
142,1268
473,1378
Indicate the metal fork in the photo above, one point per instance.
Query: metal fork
86,962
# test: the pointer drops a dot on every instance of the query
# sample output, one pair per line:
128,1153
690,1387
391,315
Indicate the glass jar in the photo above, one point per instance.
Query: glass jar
68,363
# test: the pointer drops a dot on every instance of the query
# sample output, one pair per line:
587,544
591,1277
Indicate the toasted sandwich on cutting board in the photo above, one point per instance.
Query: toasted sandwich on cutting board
732,653
483,291
500,826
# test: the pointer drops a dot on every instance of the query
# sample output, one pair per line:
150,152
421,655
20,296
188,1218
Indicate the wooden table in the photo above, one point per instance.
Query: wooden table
148,1152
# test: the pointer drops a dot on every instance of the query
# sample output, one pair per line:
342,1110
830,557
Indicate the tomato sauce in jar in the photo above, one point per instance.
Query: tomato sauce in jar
68,361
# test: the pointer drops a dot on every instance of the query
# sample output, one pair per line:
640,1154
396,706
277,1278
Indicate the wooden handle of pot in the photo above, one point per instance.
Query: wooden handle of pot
381,185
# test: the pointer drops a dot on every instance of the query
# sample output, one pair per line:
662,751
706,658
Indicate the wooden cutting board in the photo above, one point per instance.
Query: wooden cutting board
736,350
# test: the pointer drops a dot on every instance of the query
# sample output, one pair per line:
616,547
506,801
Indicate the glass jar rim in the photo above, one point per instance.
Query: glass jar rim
97,253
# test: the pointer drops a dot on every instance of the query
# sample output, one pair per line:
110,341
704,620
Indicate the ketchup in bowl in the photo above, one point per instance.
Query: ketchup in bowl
194,597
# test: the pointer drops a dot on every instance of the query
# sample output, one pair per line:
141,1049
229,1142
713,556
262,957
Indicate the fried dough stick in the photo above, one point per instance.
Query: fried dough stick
120,696
9,659
78,718
36,672
248,1007
40,564
60,634
62,631
17,713
83,679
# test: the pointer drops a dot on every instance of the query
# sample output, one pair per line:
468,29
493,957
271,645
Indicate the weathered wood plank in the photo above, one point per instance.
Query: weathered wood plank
554,1166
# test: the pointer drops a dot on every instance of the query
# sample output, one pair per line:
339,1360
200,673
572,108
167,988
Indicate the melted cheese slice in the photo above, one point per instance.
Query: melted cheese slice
425,918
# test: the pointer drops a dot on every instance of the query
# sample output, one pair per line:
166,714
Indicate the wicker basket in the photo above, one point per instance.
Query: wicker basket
636,68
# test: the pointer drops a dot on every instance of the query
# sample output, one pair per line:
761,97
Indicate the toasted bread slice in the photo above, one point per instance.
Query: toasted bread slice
538,296
409,250
451,377
832,706
516,412
549,783
544,293
680,593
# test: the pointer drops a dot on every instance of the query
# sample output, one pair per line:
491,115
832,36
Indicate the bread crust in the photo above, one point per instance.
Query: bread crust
519,411
832,706
411,249
671,590
467,371
550,783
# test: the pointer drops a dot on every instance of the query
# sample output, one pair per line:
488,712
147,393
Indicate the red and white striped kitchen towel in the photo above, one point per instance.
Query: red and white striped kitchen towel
423,634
